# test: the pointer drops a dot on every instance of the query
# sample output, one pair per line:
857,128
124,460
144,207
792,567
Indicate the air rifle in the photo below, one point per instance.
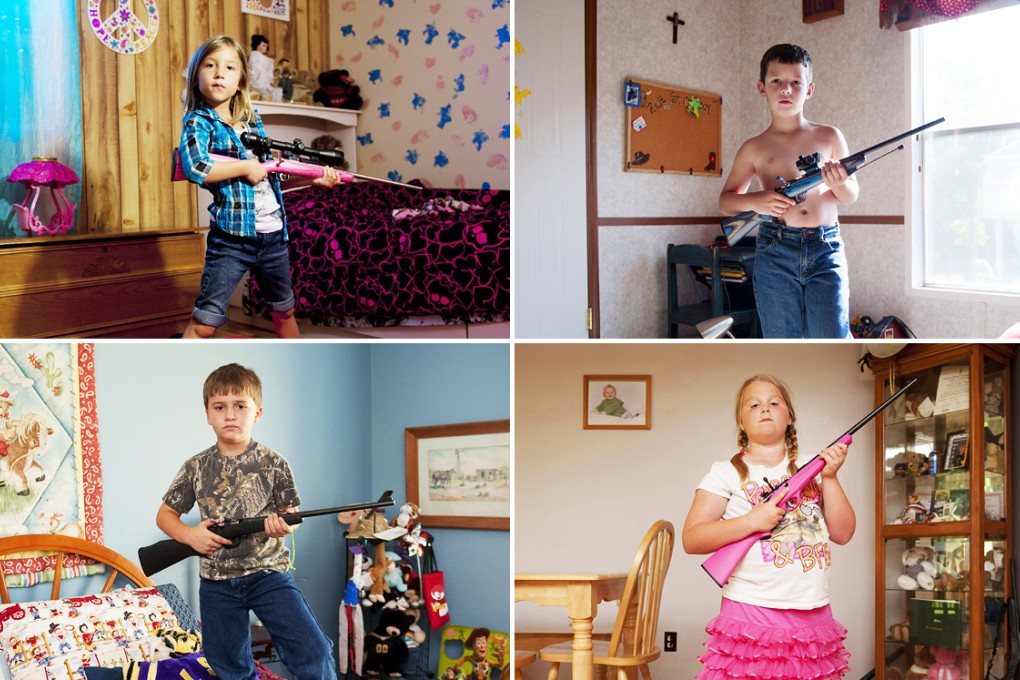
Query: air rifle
738,226
724,560
162,554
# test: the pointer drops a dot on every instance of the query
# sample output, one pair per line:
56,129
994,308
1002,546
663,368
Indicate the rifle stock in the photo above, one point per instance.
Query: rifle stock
738,226
166,553
720,564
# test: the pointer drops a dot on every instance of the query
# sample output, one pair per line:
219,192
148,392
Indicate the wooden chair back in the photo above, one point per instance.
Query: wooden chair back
642,595
66,545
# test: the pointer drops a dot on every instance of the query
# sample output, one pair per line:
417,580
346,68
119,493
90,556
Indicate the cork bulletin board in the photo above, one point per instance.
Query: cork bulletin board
672,129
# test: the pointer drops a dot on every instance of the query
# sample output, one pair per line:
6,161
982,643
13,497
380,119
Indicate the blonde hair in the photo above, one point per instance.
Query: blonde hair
232,379
240,104
791,429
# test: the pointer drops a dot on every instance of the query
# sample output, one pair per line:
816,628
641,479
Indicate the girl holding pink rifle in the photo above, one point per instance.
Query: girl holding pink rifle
775,620
248,227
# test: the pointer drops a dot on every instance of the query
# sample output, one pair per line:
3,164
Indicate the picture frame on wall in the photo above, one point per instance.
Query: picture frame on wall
459,475
816,10
617,402
272,9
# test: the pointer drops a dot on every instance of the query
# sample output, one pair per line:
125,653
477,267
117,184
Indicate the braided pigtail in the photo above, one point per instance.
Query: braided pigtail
791,449
738,462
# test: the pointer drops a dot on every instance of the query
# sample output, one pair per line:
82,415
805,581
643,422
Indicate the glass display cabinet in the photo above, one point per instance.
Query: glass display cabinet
943,511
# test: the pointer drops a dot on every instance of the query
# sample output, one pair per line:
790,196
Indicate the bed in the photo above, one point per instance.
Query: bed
370,255
95,636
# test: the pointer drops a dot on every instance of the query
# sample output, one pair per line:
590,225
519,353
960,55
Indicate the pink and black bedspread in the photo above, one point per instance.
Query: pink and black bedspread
367,254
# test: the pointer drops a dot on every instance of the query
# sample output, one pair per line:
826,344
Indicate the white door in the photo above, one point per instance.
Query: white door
549,229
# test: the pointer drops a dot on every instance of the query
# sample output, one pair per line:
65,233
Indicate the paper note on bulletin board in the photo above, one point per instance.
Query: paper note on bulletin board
672,129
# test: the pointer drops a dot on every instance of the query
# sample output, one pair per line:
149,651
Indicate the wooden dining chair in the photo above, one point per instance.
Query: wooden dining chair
632,644
523,658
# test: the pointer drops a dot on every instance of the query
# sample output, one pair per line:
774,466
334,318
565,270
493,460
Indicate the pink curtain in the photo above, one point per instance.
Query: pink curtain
889,10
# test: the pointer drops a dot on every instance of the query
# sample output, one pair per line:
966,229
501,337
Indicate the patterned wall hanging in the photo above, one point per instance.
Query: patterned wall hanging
123,31
274,9
49,452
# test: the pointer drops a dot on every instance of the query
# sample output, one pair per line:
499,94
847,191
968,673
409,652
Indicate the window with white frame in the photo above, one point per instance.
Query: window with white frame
969,222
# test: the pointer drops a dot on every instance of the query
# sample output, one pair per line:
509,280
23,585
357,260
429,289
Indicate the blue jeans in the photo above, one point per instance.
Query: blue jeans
800,282
228,258
278,603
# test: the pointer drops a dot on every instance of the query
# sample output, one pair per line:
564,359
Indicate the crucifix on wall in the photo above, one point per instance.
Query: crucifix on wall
677,23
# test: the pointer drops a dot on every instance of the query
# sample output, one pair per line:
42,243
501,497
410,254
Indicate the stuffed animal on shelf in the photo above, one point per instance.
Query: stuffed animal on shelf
377,593
994,560
408,517
950,664
923,660
385,647
338,91
393,576
920,569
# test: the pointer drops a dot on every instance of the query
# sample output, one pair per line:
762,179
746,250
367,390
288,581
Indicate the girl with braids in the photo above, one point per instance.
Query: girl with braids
775,620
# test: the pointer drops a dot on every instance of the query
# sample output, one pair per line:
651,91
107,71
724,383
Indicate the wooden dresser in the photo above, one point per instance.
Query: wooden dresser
132,285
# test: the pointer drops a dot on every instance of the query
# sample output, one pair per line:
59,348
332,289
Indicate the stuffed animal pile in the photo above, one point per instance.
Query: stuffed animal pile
923,571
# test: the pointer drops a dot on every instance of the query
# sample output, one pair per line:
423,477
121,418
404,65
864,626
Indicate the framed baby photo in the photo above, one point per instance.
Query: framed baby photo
617,402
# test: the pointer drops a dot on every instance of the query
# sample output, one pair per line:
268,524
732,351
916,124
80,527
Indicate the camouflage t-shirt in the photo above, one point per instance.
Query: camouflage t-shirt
255,483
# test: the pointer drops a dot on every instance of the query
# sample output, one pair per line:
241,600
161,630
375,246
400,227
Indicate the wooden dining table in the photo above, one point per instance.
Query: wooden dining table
580,594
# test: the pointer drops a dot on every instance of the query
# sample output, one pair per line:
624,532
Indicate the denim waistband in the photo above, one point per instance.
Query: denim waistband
782,231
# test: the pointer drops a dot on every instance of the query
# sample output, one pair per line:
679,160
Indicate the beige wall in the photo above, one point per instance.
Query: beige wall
585,497
860,76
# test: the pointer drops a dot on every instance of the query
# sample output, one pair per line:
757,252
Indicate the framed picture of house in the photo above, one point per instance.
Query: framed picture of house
459,475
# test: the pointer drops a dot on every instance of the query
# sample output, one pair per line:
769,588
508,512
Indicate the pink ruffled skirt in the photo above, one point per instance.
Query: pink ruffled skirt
746,641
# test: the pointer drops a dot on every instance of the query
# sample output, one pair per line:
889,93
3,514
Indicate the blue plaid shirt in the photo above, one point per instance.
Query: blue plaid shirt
233,207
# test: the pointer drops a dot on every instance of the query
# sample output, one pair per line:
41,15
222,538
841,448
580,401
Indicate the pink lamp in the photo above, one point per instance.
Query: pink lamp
48,172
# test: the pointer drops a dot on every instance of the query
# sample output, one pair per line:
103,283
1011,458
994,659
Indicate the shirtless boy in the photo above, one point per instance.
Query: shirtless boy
800,269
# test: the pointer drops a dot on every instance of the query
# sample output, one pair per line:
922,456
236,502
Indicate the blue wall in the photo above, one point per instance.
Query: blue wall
422,387
337,411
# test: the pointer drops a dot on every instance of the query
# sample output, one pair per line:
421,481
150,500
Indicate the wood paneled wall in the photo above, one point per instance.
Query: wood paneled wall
132,105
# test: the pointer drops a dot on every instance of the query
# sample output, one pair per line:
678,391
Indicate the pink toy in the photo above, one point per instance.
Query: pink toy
50,173
949,664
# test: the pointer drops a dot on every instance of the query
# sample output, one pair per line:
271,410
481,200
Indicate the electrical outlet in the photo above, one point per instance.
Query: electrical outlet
670,643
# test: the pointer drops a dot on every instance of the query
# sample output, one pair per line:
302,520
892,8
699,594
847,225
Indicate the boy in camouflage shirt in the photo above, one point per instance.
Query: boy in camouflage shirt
234,479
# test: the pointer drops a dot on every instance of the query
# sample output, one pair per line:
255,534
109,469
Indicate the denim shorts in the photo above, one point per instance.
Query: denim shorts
278,603
228,258
800,282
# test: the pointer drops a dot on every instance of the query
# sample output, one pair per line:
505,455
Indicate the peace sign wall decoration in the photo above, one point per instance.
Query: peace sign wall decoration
123,31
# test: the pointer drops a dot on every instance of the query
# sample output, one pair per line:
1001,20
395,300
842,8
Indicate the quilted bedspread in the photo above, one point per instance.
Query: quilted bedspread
369,254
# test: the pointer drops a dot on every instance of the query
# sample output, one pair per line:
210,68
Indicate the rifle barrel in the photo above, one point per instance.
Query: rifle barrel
893,140
866,419
294,517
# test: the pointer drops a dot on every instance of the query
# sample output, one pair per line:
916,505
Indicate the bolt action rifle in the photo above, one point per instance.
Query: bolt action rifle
162,554
738,226
296,159
724,560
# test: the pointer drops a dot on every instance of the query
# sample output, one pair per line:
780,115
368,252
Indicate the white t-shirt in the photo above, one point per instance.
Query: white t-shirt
791,569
